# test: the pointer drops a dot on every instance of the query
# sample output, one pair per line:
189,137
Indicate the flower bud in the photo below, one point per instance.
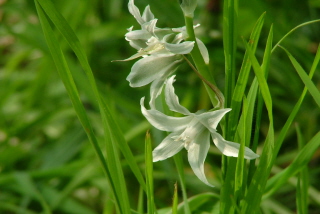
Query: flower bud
188,7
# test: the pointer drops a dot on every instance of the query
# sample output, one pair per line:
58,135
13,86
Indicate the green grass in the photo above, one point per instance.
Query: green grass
73,139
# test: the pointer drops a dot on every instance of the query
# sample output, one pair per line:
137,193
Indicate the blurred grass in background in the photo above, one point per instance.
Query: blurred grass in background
45,158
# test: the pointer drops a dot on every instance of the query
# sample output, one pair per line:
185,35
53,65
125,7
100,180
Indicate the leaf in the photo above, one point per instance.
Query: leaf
301,160
304,77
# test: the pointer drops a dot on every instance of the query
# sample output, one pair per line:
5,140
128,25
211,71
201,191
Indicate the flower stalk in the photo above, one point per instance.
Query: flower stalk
200,64
214,88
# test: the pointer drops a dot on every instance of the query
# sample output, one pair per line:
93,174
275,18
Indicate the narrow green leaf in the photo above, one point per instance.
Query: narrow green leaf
149,174
230,15
175,199
296,108
240,160
256,188
304,77
301,160
140,201
243,77
28,187
292,30
230,36
259,72
179,165
62,25
198,200
303,180
65,74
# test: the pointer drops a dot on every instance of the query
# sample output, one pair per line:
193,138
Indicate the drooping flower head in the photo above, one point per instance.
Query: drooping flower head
161,49
192,132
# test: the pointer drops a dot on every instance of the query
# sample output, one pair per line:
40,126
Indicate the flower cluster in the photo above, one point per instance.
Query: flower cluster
161,50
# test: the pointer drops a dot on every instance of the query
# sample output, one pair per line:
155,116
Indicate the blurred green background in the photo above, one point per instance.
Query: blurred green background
45,157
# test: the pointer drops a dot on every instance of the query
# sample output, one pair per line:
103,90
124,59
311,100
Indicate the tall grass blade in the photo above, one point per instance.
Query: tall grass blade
303,180
291,31
243,77
149,174
301,160
239,175
107,119
179,164
230,15
27,186
113,172
253,197
175,200
296,108
304,77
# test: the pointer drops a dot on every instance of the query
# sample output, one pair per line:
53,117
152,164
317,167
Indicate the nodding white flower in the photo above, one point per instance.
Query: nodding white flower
161,49
191,132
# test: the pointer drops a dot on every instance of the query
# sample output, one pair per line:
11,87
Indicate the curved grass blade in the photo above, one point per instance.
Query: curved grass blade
301,160
66,76
303,180
243,78
175,200
27,186
304,77
107,118
239,174
253,197
291,31
149,174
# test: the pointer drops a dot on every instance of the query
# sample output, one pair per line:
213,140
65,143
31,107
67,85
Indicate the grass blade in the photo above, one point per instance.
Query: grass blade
230,15
301,160
256,188
243,78
107,118
303,181
304,77
113,173
239,175
179,164
291,31
149,174
28,187
175,200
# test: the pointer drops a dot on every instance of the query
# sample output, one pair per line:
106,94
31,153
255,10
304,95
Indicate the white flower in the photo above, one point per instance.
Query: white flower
191,132
161,50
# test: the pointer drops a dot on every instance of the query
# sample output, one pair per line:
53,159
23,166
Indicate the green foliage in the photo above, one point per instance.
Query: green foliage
72,137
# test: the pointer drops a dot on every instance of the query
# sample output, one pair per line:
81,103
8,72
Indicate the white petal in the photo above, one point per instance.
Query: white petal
212,118
147,14
162,32
138,44
157,84
134,56
230,148
150,26
182,48
134,10
167,148
172,99
164,122
137,34
203,50
197,154
149,68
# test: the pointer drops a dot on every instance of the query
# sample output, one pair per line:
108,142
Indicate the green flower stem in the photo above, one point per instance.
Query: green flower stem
209,84
199,61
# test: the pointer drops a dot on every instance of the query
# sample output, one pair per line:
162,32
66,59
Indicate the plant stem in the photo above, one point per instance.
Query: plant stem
198,60
214,88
